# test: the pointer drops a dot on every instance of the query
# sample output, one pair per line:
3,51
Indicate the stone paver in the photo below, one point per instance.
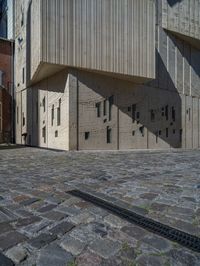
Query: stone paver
40,224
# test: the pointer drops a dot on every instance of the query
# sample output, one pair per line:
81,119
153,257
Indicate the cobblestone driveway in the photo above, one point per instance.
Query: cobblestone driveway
40,224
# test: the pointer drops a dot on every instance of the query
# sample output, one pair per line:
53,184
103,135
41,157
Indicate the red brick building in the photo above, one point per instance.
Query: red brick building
6,90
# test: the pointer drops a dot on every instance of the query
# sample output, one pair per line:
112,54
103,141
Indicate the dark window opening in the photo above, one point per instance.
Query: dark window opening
44,104
44,134
156,136
142,130
111,102
29,139
174,131
17,114
105,108
166,112
56,133
160,132
152,116
138,115
167,132
59,114
52,115
23,75
98,106
129,109
87,135
109,135
23,120
189,113
173,114
133,133
133,113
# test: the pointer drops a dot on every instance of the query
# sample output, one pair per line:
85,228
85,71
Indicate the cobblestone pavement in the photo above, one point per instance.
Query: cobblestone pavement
40,224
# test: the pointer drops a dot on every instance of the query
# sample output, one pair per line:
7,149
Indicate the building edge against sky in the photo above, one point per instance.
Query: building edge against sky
91,75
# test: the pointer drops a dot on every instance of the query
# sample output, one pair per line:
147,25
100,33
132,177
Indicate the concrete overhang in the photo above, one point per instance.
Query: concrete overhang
46,70
190,40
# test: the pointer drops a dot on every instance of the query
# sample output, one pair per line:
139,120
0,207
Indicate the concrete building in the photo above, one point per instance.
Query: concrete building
108,74
6,90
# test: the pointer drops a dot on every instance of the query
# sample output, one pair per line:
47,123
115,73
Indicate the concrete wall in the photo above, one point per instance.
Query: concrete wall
111,36
182,16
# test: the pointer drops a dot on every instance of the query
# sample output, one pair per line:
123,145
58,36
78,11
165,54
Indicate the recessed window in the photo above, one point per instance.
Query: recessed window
44,134
109,135
23,119
167,132
133,133
104,107
173,114
180,135
160,132
166,112
142,130
52,115
138,115
111,102
56,133
174,131
98,107
44,104
59,114
87,135
17,114
129,109
23,75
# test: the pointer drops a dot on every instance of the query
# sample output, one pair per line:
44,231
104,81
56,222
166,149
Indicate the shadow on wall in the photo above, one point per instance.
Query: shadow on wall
152,112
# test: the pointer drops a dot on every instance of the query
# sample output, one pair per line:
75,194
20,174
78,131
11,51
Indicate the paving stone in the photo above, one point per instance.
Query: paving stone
160,207
11,239
54,215
72,245
42,240
5,227
88,259
157,242
17,254
35,228
68,210
148,196
29,201
23,213
47,208
115,221
182,257
53,255
134,231
105,248
150,260
4,261
26,221
186,227
84,233
62,228
7,213
82,218
21,198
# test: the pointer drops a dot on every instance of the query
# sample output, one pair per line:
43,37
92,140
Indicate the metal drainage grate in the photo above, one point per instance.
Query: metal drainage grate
182,238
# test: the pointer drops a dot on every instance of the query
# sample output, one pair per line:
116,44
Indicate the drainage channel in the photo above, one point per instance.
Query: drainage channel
187,240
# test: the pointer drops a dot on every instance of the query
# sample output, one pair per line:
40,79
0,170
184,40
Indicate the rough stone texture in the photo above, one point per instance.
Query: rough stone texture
17,254
104,248
42,240
54,215
132,175
62,228
54,255
72,245
11,239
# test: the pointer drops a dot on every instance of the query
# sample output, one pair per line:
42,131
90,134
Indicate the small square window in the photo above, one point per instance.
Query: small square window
56,133
87,135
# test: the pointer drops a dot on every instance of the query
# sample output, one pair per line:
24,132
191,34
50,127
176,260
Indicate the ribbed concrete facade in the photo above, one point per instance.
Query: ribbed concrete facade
109,74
